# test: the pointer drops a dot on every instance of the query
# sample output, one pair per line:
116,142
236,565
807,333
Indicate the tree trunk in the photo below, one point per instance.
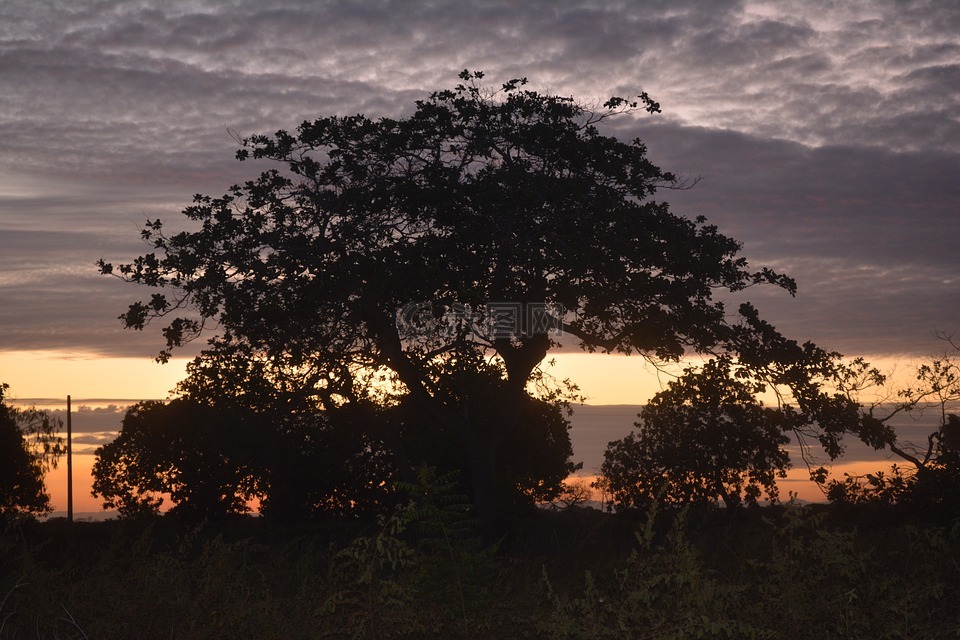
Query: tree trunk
488,499
482,441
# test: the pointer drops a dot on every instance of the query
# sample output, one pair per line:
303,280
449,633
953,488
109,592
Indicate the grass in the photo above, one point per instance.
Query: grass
812,572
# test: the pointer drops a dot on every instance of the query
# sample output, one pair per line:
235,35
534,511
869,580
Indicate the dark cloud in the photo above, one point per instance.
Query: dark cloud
869,234
97,424
826,132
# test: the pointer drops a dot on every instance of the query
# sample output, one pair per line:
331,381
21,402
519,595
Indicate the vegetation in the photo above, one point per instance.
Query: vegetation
706,437
406,278
419,572
931,477
212,460
385,301
29,445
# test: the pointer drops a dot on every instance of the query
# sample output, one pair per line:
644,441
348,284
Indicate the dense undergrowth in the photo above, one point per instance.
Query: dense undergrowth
783,572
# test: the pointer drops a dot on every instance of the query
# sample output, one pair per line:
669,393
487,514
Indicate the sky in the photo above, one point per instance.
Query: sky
824,135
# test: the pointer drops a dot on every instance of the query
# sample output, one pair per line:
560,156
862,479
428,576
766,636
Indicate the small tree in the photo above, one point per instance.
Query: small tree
29,446
197,456
576,492
212,458
931,475
705,438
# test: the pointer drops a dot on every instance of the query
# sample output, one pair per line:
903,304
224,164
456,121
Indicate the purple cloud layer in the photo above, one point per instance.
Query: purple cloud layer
827,134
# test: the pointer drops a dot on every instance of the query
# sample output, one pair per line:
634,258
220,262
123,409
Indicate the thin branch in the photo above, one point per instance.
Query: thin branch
69,618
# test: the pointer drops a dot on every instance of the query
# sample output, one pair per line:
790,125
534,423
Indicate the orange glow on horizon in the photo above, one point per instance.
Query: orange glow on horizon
57,374
797,482
603,379
56,483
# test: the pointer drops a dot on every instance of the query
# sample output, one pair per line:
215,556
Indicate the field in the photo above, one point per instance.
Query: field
776,572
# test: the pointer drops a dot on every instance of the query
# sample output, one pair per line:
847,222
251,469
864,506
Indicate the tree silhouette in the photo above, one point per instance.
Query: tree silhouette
930,473
536,452
705,438
183,451
210,460
397,253
29,445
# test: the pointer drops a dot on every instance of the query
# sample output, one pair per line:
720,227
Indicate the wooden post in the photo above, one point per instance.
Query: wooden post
69,464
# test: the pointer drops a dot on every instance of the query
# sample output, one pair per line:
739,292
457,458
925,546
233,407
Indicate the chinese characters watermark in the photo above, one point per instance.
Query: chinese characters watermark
491,321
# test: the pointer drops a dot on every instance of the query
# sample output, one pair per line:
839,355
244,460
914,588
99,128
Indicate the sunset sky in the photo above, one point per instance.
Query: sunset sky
826,136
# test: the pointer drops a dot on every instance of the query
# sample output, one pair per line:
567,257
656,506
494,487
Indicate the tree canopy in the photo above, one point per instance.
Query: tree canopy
705,438
477,198
216,460
929,473
189,453
387,260
29,446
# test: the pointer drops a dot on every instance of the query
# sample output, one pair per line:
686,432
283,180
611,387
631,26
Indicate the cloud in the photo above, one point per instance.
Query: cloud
826,132
869,234
89,425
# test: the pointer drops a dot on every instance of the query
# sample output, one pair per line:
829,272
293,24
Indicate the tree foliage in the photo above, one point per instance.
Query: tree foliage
314,456
184,451
402,253
536,452
211,461
708,437
934,484
705,438
29,446
474,199
929,473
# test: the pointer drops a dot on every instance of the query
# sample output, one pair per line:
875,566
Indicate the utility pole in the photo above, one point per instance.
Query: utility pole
69,464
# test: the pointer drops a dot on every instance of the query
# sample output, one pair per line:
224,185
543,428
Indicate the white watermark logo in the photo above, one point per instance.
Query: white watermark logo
491,321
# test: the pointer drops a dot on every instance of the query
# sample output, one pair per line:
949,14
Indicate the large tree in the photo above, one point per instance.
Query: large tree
29,446
484,224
